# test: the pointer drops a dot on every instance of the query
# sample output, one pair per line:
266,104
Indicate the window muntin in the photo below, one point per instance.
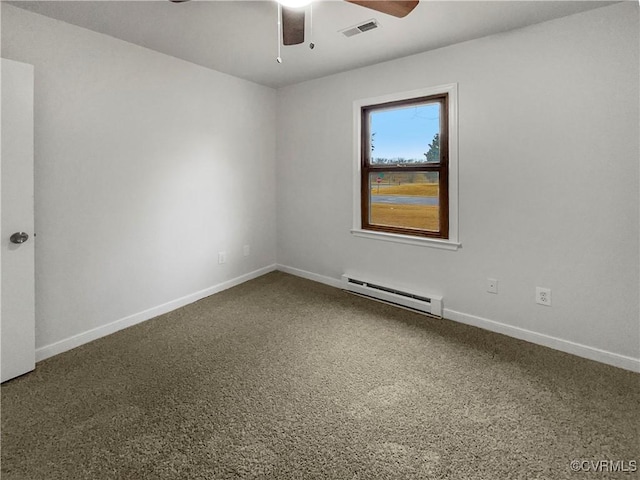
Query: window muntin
404,167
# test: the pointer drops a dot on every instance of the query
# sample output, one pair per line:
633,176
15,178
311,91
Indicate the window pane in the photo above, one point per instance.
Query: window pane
404,199
405,135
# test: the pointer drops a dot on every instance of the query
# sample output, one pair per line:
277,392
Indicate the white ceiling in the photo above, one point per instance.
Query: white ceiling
240,37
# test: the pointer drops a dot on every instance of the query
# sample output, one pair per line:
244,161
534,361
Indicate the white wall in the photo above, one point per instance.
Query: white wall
548,142
145,167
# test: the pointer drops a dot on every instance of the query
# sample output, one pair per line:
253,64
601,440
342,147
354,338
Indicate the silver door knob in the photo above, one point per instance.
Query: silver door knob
19,237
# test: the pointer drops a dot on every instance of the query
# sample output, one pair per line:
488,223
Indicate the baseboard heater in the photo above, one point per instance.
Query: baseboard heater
430,304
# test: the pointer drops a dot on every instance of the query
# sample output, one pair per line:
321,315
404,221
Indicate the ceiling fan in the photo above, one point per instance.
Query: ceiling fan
293,17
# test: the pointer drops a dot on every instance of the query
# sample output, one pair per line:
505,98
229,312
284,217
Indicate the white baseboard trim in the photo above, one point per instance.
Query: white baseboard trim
104,330
332,282
584,351
567,346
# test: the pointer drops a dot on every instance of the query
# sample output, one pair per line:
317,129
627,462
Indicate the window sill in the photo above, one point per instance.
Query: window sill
407,239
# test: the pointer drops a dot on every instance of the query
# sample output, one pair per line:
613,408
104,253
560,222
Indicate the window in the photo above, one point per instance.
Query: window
406,187
404,181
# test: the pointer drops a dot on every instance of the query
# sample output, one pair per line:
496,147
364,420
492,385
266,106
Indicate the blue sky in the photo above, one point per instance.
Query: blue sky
405,132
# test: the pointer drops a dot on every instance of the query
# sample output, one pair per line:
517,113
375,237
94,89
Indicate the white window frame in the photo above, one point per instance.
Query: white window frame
453,242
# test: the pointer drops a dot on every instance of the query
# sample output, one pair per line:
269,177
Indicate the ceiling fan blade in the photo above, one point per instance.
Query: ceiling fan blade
390,7
292,26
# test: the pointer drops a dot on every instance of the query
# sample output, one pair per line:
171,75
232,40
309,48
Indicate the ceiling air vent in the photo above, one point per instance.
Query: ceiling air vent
361,28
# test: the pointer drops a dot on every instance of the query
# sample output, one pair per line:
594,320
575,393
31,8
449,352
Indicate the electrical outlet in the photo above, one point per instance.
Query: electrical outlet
222,257
246,250
492,285
543,296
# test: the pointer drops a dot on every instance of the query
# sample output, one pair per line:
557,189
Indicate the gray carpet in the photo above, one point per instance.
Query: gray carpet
285,378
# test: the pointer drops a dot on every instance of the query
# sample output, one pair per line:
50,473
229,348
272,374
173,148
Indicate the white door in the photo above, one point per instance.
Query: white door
17,295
